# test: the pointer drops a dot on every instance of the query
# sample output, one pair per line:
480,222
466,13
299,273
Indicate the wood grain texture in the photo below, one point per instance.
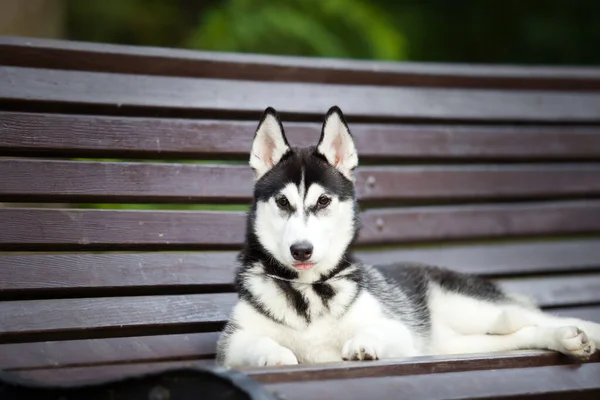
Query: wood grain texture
502,380
102,136
500,258
44,53
550,382
73,229
54,275
96,275
193,346
119,92
413,224
409,366
555,291
64,319
78,181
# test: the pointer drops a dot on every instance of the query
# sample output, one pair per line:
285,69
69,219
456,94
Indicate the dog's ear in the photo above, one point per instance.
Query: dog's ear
336,143
269,145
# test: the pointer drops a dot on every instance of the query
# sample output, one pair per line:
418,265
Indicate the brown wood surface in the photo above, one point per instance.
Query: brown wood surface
43,53
102,136
40,320
497,259
193,346
561,290
413,224
487,377
550,382
34,276
65,319
98,275
117,93
77,181
73,229
409,366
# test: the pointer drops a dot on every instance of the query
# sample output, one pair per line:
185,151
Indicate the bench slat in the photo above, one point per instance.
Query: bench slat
202,346
40,320
73,229
521,383
77,181
101,136
64,319
96,275
44,53
487,377
55,275
193,346
118,92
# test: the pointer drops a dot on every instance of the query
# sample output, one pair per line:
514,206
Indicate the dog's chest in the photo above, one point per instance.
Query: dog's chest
320,341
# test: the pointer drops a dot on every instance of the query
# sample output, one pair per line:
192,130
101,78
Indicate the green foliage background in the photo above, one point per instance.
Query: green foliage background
478,31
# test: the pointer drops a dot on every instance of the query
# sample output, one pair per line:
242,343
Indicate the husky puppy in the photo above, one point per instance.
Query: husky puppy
304,298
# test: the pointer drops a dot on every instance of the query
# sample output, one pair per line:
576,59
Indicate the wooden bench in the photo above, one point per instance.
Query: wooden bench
484,169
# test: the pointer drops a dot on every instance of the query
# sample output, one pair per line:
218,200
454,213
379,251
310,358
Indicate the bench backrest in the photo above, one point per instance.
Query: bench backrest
490,170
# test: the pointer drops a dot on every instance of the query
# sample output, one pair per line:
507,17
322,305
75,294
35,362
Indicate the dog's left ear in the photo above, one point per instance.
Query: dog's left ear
336,143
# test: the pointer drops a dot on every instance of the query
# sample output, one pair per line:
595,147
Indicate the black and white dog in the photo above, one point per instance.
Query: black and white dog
304,298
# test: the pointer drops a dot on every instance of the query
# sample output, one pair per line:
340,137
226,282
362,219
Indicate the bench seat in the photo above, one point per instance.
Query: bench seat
124,185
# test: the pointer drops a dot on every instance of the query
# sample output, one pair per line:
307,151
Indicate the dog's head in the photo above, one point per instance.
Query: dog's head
304,212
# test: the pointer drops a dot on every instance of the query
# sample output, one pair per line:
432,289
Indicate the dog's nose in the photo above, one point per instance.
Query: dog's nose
301,251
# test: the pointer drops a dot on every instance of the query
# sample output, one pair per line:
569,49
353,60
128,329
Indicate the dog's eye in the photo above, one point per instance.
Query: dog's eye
282,202
323,201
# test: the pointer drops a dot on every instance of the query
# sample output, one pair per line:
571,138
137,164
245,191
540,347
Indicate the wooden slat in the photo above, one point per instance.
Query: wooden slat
115,92
54,275
103,229
202,346
193,346
39,320
461,222
590,313
409,366
76,181
495,378
100,136
64,229
500,258
551,382
43,53
557,290
75,275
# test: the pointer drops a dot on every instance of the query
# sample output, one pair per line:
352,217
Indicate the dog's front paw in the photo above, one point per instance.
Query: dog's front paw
277,356
362,347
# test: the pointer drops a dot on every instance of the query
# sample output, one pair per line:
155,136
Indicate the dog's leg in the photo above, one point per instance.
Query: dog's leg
246,349
512,319
568,340
383,339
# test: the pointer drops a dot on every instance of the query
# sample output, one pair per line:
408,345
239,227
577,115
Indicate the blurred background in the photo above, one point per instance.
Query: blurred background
550,32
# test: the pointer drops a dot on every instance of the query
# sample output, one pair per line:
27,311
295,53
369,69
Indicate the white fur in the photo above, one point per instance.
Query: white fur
460,325
323,340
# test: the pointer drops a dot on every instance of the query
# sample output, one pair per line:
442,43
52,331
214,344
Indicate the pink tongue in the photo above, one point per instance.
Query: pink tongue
303,266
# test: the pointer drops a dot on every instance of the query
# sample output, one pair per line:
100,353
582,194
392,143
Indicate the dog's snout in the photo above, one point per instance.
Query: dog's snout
301,251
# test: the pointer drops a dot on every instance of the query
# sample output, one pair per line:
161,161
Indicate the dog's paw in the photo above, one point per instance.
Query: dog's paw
277,356
362,347
573,342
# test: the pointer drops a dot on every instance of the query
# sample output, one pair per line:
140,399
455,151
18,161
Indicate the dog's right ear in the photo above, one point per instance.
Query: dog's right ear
270,143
